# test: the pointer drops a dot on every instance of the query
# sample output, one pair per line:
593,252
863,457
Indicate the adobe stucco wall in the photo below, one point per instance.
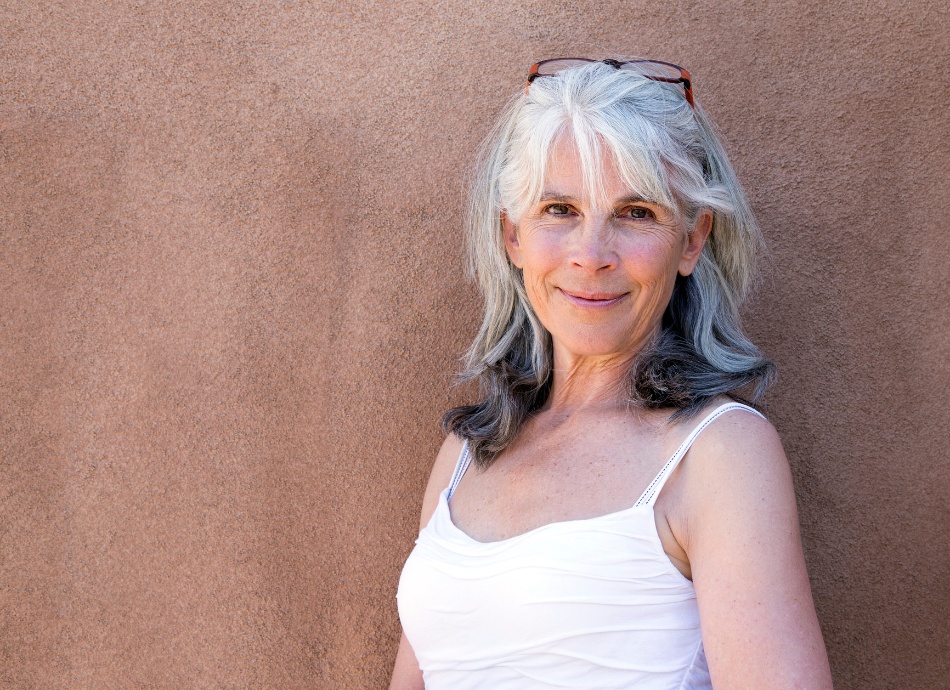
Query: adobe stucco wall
232,301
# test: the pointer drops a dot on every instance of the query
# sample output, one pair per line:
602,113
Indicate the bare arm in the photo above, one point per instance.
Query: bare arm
742,537
406,673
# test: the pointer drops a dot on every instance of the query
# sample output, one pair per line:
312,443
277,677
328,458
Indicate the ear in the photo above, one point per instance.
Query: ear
512,243
695,242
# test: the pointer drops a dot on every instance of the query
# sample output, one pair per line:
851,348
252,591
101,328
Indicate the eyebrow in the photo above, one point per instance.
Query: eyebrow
555,196
637,199
632,199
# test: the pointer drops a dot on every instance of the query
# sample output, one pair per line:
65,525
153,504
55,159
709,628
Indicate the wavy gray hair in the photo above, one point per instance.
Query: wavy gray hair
668,153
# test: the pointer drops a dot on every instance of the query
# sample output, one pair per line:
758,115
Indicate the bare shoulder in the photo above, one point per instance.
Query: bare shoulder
736,428
738,452
736,470
440,476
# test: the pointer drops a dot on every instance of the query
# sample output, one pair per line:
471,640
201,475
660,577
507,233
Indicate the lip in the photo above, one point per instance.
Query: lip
593,300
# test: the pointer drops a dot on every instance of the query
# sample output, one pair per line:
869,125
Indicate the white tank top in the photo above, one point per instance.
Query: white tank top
590,604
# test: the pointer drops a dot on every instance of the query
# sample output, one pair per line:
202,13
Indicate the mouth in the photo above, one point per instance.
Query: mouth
592,299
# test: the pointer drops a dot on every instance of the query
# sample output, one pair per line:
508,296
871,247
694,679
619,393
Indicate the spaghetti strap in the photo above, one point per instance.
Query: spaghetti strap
653,490
465,459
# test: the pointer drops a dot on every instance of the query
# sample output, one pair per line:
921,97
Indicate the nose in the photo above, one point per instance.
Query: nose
593,247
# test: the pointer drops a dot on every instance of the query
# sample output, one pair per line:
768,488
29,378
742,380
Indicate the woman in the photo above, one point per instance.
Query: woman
613,246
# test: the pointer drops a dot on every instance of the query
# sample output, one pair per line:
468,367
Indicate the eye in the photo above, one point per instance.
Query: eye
557,209
637,213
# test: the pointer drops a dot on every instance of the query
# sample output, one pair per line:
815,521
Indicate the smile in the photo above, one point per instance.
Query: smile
593,300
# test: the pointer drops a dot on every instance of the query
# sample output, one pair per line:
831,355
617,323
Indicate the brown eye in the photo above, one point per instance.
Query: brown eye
638,213
558,209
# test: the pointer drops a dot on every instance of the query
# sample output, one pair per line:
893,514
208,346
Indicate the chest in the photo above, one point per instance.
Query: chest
575,471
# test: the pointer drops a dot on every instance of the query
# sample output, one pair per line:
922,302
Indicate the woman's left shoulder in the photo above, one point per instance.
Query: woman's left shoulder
736,429
738,454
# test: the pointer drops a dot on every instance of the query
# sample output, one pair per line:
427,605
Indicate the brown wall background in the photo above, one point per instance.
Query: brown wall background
232,302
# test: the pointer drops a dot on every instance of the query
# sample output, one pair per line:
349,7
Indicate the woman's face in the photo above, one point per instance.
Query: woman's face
599,279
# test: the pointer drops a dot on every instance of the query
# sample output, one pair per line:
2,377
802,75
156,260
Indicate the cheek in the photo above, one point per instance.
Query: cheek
538,272
541,255
535,284
651,262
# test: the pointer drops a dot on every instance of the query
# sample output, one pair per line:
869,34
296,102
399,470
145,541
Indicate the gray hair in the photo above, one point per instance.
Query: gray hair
668,153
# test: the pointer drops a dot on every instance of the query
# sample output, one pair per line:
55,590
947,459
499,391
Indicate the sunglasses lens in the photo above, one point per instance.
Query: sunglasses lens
549,68
654,70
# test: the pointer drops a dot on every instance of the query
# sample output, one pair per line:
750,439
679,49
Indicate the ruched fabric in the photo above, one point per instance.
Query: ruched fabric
590,604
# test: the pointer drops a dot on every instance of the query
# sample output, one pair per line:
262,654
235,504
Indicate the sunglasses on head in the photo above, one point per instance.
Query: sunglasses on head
657,70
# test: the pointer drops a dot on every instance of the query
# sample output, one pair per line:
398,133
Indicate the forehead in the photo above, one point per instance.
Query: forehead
596,180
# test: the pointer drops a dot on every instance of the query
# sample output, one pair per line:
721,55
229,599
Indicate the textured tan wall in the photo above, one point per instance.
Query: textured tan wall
231,305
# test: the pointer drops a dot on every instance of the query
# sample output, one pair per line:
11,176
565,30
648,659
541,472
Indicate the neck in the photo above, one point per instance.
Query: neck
583,382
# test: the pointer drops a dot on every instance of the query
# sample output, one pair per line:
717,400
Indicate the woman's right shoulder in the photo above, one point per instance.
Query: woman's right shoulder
441,475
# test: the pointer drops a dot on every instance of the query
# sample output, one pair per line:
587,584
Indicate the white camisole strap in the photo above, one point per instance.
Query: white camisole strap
465,459
648,498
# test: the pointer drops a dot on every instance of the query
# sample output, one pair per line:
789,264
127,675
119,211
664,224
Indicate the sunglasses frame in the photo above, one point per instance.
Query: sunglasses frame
683,79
